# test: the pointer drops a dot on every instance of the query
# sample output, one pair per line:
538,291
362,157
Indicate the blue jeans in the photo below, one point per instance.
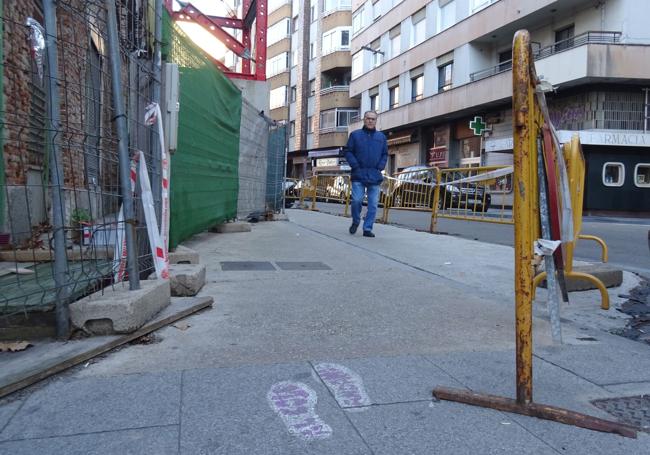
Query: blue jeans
358,189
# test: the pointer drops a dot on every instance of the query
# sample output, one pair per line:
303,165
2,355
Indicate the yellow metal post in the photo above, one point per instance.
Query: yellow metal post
527,122
524,145
314,188
436,200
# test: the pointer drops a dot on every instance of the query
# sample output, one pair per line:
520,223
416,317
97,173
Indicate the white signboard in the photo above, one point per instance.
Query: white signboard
616,138
322,162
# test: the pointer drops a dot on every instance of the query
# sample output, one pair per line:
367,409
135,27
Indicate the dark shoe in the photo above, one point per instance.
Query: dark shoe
368,234
353,228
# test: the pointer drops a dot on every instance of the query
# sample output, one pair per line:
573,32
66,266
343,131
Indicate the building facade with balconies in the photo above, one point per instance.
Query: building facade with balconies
309,66
429,68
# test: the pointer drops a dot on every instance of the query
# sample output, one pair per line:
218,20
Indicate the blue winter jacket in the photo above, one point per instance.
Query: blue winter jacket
367,153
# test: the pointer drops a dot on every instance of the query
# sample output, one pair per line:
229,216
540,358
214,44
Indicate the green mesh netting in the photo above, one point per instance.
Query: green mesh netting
204,168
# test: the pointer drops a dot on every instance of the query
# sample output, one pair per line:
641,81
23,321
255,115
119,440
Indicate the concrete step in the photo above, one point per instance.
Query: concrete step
119,310
186,279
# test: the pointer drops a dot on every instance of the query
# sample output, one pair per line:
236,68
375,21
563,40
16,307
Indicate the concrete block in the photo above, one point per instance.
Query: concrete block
119,310
229,228
186,279
610,276
183,255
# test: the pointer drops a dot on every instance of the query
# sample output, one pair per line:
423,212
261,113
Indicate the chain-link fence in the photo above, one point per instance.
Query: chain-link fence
63,176
276,168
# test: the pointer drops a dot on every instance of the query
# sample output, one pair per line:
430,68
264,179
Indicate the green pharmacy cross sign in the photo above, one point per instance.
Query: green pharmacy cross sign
477,126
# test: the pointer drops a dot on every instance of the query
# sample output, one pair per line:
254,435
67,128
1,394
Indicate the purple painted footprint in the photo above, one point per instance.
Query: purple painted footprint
346,385
295,403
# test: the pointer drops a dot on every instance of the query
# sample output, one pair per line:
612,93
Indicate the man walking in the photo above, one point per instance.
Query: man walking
366,153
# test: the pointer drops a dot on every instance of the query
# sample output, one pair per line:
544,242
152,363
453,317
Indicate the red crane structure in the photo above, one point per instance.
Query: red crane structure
252,47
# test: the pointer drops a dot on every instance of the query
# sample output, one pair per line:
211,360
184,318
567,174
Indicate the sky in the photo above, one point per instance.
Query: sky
202,37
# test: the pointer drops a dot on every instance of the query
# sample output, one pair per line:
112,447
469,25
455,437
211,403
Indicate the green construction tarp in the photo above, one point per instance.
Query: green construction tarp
204,168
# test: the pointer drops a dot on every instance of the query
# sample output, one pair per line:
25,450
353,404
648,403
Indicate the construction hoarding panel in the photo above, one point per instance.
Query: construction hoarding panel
204,168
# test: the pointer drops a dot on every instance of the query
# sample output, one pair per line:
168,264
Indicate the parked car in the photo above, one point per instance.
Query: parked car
415,185
291,191
338,188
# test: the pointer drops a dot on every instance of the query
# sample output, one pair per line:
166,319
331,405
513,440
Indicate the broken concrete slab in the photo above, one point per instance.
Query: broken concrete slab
119,310
229,228
183,255
186,279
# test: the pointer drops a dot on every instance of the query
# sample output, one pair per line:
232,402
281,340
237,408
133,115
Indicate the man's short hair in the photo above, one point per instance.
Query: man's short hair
369,112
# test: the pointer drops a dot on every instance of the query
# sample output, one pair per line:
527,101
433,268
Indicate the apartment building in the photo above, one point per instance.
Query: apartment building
431,67
309,69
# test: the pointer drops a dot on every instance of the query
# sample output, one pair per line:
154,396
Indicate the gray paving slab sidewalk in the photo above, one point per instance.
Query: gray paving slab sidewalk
337,355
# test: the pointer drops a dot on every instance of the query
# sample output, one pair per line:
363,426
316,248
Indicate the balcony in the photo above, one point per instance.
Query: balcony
333,137
337,96
560,46
338,59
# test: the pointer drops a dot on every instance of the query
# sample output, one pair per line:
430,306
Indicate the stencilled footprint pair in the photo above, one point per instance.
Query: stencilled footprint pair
295,402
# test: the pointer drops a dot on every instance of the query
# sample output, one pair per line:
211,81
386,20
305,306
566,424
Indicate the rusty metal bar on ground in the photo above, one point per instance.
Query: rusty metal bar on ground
527,123
541,411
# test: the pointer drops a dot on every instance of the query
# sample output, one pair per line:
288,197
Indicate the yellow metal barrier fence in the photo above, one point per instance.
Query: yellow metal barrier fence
528,121
473,194
576,173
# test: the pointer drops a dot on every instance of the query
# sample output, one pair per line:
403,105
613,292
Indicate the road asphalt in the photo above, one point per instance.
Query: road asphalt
320,342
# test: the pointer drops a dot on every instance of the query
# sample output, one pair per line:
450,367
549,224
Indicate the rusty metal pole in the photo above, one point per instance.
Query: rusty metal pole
524,140
436,200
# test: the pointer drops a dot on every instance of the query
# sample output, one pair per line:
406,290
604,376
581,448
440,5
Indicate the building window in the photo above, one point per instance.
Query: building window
417,88
310,124
277,64
418,31
393,97
444,76
564,38
478,5
337,39
331,6
278,31
275,4
293,94
278,97
470,151
505,60
313,14
376,9
374,99
311,51
374,102
312,87
357,64
337,119
395,41
613,174
446,16
642,175
358,21
377,57
294,24
292,128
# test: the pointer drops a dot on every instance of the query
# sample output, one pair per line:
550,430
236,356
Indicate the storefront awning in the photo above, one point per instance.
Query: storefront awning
323,153
402,137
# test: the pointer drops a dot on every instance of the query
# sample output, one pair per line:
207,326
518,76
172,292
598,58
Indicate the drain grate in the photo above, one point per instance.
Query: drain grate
303,266
246,266
631,410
